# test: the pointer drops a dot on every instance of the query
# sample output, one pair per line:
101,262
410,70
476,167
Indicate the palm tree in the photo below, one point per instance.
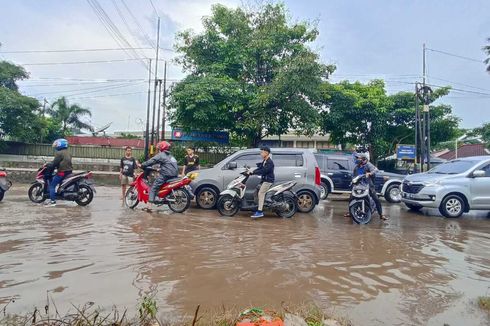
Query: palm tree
487,50
69,115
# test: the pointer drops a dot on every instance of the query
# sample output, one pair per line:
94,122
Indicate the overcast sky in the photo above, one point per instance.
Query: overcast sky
365,39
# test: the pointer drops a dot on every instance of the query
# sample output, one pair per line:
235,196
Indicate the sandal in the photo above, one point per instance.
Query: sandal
146,209
347,215
384,217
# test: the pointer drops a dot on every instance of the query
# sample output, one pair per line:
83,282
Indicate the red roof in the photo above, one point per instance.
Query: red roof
467,150
106,141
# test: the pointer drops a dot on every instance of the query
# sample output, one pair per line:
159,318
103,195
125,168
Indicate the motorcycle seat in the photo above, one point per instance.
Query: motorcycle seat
174,180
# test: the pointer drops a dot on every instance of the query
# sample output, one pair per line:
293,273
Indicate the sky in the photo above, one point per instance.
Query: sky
364,39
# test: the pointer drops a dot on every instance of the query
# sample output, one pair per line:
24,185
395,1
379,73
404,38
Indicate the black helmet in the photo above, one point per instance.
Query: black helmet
265,148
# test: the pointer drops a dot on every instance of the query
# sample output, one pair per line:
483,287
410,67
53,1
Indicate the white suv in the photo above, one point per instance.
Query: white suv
453,187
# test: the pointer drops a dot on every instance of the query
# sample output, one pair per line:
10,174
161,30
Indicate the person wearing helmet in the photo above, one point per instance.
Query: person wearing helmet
61,162
266,170
168,169
364,167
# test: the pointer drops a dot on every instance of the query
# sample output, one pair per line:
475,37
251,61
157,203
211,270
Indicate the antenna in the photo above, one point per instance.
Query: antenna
101,130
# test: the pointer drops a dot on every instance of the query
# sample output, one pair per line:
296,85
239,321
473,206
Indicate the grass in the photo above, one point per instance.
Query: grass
90,315
484,303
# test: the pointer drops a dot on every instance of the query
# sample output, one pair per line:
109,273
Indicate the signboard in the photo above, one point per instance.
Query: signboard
220,137
406,152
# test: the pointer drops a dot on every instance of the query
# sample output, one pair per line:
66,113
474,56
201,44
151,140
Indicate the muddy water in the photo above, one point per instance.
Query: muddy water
414,269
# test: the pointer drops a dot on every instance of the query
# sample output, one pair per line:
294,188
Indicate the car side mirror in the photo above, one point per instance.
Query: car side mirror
232,166
479,174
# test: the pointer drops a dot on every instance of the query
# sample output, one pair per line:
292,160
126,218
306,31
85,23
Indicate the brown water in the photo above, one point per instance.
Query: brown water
414,269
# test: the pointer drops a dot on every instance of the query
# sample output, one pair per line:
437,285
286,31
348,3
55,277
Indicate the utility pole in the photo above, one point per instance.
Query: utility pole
147,130
157,135
155,85
417,122
426,110
164,106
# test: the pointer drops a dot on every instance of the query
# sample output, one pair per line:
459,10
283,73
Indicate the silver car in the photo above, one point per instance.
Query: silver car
290,164
454,187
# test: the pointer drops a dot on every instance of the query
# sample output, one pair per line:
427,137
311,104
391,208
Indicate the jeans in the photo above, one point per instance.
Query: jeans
264,187
58,178
374,195
159,181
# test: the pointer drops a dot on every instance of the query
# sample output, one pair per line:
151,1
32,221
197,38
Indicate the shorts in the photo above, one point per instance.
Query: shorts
125,180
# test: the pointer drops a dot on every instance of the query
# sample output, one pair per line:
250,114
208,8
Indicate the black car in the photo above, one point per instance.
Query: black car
336,176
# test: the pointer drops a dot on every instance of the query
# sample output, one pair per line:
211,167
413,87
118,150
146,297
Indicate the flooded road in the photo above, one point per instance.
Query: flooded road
412,270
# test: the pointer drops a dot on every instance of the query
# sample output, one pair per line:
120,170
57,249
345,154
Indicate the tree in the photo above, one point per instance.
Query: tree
250,73
364,114
18,113
69,116
483,132
487,51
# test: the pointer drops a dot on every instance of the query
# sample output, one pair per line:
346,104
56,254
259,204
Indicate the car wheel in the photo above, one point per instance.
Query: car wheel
413,207
452,206
324,190
306,201
393,193
206,198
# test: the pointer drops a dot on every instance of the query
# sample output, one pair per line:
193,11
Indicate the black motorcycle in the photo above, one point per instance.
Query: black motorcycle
361,204
279,198
77,187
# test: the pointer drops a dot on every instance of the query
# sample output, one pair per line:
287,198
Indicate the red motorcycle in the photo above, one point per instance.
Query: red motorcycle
174,193
76,187
5,183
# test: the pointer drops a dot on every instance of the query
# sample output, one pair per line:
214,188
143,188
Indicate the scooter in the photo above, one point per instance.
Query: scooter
5,183
77,187
279,198
174,193
361,204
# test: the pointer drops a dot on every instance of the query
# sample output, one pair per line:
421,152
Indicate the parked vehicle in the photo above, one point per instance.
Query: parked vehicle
455,187
296,163
279,198
174,193
5,183
337,172
76,187
361,204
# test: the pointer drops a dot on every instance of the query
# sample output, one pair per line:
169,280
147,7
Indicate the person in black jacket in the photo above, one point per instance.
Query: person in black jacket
266,170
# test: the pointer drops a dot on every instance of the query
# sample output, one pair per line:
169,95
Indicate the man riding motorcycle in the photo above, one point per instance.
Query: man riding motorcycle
62,162
364,167
168,169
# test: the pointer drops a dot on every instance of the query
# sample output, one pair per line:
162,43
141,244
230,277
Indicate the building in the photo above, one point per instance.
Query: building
299,141
465,150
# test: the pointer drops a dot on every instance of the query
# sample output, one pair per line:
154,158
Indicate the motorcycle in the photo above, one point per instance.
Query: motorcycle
279,198
76,187
175,192
5,183
361,204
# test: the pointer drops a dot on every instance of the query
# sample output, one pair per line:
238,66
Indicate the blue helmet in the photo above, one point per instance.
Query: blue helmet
60,144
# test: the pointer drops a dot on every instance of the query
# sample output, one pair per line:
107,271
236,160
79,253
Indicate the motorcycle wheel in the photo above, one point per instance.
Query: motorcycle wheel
131,197
358,216
182,201
85,195
292,205
2,193
36,193
227,206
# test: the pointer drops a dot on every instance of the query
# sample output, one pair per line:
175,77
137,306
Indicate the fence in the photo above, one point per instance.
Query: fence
96,152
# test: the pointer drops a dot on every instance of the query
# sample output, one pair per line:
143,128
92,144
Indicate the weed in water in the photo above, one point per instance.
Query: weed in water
484,303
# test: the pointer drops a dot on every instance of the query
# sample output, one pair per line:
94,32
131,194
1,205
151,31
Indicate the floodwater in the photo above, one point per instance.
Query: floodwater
412,270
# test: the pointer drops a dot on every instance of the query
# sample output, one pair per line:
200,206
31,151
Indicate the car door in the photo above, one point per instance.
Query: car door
340,173
480,190
288,167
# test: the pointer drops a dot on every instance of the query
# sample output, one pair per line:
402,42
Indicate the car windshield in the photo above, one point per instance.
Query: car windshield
453,167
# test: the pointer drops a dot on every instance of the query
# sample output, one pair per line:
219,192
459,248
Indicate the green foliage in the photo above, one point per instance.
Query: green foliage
483,132
251,73
125,135
69,116
364,114
10,74
148,308
178,151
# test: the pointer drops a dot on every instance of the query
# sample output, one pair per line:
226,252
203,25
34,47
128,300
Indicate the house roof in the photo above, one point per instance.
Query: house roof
467,150
106,141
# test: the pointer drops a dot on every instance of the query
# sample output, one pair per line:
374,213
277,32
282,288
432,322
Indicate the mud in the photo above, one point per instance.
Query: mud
414,269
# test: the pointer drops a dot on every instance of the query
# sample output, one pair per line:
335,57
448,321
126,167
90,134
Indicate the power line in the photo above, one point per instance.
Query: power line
95,89
109,95
455,55
148,39
154,9
457,83
77,50
79,62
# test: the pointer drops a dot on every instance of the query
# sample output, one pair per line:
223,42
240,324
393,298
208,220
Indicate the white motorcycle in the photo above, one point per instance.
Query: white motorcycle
361,204
279,198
